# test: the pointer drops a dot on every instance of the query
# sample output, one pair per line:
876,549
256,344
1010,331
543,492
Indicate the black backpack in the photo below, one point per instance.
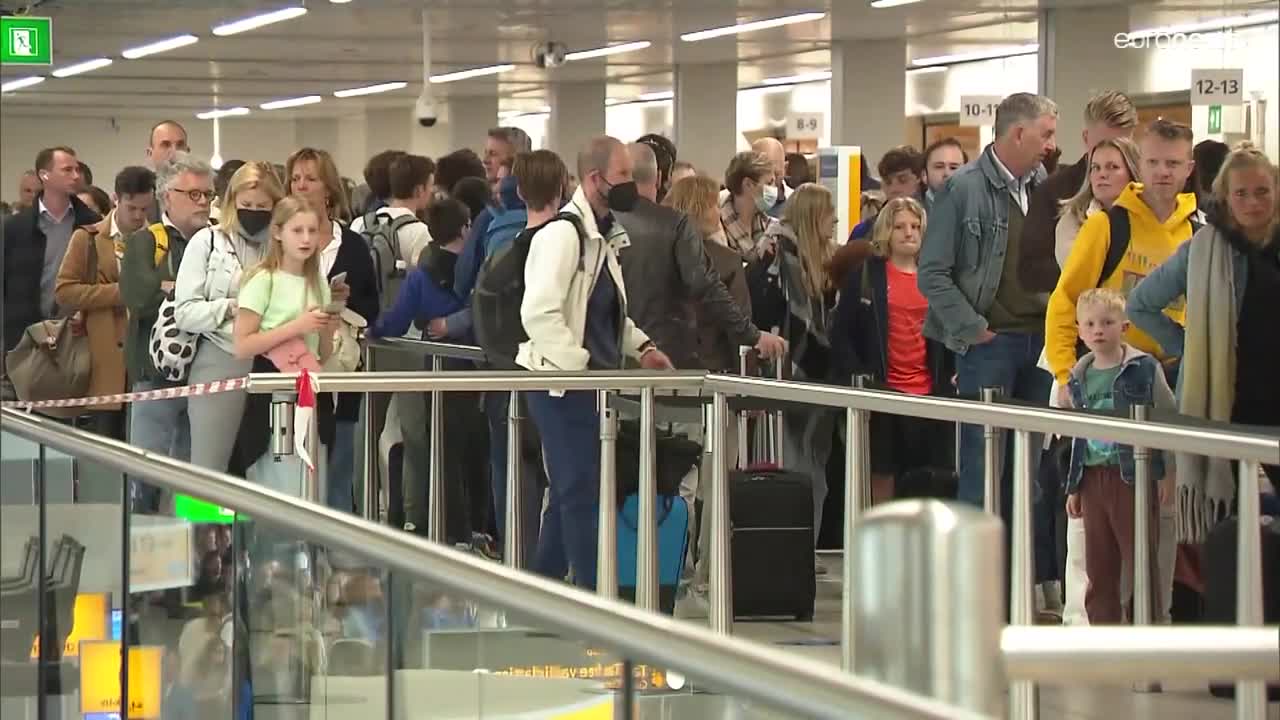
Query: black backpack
1119,244
499,292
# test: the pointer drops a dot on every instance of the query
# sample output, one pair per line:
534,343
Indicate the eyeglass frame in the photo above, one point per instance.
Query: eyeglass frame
196,196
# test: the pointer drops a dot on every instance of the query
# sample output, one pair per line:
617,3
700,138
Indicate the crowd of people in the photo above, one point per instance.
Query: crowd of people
1146,265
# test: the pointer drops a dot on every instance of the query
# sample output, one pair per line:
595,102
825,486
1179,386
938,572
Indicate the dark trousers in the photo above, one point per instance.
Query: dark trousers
570,431
496,406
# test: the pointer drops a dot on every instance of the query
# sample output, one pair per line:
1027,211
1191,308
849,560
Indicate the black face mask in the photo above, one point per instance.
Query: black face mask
253,221
623,196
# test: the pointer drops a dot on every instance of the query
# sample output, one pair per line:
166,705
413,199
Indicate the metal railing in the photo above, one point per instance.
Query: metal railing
751,670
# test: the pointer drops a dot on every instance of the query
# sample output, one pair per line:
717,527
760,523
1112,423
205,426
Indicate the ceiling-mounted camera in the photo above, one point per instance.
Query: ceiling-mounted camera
550,54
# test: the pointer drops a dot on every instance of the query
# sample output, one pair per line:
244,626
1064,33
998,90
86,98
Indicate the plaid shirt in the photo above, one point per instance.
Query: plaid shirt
745,237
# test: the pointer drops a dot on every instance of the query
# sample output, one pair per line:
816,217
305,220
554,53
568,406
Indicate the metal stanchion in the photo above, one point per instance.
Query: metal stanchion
435,492
282,406
720,589
647,515
369,462
857,497
992,460
744,437
927,601
607,547
513,528
1251,696
1142,590
1023,700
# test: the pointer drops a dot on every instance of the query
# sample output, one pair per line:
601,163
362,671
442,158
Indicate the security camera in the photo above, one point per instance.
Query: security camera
550,54
425,110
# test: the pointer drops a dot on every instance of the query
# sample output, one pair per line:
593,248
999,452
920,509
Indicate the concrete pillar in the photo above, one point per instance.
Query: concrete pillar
351,152
1078,59
869,95
706,115
577,115
469,120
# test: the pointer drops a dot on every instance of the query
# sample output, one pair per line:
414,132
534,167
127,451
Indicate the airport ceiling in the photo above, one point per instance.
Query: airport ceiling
357,43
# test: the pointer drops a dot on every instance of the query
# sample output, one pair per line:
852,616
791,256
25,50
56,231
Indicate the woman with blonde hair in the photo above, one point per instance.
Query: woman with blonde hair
205,297
1229,273
1113,164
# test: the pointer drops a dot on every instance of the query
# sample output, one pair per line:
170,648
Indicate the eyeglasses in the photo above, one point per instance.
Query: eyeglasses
197,195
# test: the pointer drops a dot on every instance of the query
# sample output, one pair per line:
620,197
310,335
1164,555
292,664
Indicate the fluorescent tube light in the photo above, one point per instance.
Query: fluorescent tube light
339,2
928,70
881,4
992,54
370,89
254,22
228,112
650,97
81,67
1224,23
291,102
797,79
752,26
609,50
471,73
25,82
160,46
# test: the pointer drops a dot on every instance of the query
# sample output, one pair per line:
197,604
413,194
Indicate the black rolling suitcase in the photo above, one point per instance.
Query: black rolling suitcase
1220,584
771,542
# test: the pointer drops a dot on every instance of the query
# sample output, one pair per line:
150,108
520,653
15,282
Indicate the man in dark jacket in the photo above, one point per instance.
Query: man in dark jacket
666,270
1108,115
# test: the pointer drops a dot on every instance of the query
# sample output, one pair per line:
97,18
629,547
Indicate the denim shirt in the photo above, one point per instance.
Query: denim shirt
962,259
1140,382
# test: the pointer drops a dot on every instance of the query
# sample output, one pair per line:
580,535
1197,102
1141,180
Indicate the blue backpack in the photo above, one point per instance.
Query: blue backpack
503,228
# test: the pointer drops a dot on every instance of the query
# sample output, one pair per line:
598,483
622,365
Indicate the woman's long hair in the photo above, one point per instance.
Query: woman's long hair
1078,204
695,197
882,231
808,208
285,211
1245,157
251,175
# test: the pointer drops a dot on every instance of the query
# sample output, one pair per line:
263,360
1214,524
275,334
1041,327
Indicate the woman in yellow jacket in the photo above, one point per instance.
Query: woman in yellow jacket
1151,242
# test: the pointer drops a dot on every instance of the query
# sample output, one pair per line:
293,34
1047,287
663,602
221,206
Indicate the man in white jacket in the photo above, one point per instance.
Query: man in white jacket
575,313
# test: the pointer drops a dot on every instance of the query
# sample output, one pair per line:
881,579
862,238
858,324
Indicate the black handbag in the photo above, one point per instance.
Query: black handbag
674,455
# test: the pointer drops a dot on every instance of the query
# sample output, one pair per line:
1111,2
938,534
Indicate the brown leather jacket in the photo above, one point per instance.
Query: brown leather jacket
98,301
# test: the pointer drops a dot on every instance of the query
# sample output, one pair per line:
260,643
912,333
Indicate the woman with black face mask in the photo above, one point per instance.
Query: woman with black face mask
205,303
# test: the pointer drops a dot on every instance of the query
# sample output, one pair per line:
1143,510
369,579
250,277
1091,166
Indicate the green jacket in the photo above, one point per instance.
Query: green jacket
140,278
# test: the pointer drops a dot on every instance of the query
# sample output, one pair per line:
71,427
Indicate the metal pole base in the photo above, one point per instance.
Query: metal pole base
1024,701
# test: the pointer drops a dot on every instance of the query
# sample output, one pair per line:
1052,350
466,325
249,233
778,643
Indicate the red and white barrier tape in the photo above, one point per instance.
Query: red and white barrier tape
209,388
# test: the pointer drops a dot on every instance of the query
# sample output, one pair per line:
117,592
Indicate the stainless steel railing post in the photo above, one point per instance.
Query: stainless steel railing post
1142,585
720,589
857,497
282,406
647,514
369,460
741,425
1023,698
607,547
513,527
1251,696
992,457
436,530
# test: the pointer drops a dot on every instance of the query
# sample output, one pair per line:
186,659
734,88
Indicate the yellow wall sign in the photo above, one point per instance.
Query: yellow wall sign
100,679
89,623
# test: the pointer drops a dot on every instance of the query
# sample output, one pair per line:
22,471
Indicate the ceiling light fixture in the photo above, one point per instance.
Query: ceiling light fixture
339,2
25,82
370,89
992,54
651,97
882,4
752,26
227,112
928,70
291,102
797,79
159,46
254,22
608,50
81,67
470,73
1238,21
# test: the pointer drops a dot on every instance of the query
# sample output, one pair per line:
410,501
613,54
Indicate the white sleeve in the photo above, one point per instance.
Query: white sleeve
193,311
413,238
548,275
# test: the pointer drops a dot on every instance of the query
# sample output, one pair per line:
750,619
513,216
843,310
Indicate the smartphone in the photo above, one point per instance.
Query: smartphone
335,308
337,280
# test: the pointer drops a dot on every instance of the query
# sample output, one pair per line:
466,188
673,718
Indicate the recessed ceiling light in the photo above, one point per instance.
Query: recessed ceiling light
291,102
227,112
339,2
991,54
609,50
471,73
881,4
20,83
1237,21
650,97
928,70
253,22
160,46
370,89
752,26
81,67
797,79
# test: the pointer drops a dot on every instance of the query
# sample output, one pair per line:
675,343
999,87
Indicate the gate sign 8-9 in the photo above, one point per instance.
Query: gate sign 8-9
804,126
26,41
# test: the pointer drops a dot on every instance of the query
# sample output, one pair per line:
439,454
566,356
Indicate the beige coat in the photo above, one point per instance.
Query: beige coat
99,303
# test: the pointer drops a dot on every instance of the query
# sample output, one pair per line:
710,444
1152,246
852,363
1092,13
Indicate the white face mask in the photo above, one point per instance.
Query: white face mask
769,198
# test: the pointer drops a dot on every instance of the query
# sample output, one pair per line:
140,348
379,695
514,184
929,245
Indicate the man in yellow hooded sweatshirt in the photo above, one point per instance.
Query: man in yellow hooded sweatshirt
1160,219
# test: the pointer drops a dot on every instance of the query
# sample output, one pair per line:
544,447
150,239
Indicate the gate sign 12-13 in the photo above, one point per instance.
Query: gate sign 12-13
1213,86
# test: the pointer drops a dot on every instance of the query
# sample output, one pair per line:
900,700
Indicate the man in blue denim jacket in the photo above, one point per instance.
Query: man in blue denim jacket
978,306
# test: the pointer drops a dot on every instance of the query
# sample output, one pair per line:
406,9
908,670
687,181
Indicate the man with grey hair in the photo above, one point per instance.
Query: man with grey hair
978,305
152,255
500,149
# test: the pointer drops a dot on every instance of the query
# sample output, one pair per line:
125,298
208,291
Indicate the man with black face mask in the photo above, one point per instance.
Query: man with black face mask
575,313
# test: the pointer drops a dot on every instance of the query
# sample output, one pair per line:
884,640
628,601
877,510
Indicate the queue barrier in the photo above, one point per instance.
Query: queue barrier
1250,449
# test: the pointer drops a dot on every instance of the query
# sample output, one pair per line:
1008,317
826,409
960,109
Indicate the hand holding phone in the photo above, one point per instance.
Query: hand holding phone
339,279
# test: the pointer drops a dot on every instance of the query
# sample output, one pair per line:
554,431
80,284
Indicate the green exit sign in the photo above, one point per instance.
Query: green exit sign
1215,119
26,41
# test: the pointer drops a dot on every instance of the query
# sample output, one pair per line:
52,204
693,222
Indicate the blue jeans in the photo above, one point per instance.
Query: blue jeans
570,431
342,467
496,405
161,427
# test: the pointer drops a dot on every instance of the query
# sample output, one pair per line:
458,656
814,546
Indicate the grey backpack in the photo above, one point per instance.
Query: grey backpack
382,233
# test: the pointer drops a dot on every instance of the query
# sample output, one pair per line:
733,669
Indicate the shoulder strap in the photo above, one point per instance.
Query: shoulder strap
161,236
1118,245
402,221
1196,224
581,230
